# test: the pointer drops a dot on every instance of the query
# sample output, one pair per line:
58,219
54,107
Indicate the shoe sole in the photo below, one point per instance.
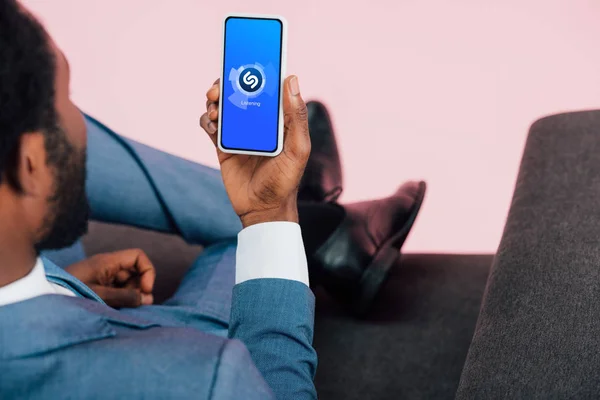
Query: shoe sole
386,257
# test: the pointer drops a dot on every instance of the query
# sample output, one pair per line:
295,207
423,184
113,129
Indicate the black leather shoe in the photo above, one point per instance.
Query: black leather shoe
363,243
322,179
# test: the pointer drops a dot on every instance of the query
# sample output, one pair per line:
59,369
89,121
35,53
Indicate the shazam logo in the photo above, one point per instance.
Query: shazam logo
249,81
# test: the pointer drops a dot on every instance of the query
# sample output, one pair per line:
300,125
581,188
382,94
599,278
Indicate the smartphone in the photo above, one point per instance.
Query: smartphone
251,101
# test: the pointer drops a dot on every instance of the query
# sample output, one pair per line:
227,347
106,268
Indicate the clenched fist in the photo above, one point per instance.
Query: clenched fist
122,279
264,189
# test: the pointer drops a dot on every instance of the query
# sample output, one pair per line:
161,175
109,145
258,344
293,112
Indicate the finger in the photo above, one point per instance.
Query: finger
147,299
216,83
147,272
213,93
213,112
122,277
208,103
134,261
297,138
209,127
120,297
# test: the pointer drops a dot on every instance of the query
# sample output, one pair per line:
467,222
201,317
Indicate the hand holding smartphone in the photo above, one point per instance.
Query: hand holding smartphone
261,189
250,106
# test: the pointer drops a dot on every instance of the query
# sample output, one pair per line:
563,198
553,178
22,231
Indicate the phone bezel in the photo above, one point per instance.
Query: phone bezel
283,57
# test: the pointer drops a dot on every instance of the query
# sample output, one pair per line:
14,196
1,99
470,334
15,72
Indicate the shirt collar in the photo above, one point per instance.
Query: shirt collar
31,285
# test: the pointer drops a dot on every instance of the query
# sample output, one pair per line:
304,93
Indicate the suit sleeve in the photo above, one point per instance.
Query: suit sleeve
274,318
237,377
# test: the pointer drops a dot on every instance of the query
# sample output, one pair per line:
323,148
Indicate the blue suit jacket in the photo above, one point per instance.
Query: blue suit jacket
57,347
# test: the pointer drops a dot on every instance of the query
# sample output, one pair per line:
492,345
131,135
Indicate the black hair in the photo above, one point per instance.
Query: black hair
27,74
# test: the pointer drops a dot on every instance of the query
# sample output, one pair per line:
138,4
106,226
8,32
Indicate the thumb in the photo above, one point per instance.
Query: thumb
122,297
297,139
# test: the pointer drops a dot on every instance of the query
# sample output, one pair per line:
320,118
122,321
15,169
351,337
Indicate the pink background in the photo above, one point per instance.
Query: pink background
443,91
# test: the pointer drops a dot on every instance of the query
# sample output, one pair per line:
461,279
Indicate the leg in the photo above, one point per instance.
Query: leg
537,333
133,184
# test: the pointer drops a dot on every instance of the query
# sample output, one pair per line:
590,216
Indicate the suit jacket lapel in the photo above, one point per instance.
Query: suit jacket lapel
57,275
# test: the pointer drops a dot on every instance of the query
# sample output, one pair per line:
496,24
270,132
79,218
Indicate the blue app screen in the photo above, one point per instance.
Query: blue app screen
252,75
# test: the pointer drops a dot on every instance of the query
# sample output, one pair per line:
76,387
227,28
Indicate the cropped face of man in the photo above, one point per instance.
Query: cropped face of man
67,208
42,134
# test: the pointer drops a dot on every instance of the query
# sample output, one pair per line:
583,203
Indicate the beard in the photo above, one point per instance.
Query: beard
68,208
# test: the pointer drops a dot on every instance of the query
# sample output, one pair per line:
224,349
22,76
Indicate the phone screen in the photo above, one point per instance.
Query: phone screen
251,84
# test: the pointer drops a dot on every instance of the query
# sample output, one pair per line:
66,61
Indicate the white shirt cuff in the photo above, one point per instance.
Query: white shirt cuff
271,250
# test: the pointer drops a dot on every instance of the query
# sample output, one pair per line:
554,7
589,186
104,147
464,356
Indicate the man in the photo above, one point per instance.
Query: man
60,338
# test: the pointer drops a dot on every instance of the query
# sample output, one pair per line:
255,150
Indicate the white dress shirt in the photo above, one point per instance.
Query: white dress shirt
271,250
267,250
31,285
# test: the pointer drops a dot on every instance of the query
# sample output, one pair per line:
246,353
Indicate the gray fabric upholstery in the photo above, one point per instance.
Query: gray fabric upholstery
415,341
170,254
538,335
412,345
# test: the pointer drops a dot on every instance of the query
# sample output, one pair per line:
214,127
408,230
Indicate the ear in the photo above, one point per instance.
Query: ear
33,174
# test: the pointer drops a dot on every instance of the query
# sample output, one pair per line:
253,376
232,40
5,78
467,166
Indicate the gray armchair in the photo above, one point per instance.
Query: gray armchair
412,345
